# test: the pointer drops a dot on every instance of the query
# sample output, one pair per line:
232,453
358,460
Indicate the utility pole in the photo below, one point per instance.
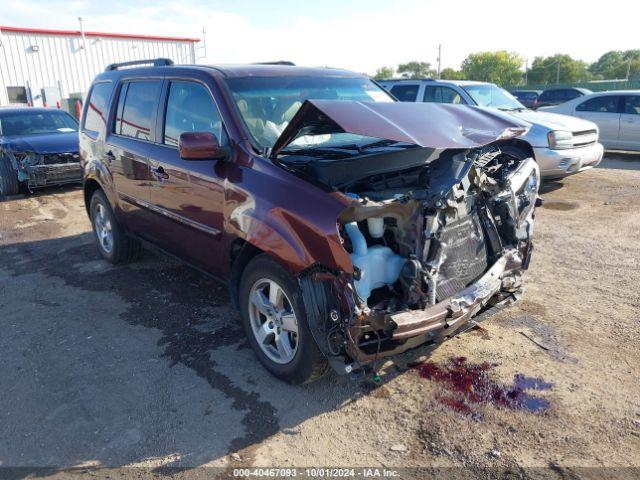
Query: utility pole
628,69
558,73
439,59
203,47
526,72
84,45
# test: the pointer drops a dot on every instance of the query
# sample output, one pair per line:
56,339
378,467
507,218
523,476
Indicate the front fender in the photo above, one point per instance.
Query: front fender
293,241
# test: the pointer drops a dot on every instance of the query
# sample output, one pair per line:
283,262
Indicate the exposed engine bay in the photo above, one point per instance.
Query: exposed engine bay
431,244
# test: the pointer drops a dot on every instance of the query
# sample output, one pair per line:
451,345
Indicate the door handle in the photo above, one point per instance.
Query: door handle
629,120
109,156
160,173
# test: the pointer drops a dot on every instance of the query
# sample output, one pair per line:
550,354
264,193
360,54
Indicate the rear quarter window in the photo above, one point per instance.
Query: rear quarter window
97,110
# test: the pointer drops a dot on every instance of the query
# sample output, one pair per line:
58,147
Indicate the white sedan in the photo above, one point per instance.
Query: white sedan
617,114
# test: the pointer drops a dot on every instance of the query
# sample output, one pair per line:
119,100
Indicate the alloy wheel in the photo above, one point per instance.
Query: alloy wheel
103,228
273,321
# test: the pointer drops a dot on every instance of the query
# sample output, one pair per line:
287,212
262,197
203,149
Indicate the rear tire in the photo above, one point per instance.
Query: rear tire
113,244
8,179
302,361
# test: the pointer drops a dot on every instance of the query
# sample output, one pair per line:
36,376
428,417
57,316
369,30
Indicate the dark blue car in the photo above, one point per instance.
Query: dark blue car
38,147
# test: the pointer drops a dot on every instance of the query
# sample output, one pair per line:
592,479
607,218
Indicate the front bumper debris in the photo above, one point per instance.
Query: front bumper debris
57,174
450,314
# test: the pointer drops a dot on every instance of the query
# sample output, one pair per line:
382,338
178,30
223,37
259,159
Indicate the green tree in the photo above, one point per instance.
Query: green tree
632,67
383,73
451,74
416,69
545,70
500,67
609,65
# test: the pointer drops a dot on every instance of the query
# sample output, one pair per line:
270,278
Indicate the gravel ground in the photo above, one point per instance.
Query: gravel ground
145,365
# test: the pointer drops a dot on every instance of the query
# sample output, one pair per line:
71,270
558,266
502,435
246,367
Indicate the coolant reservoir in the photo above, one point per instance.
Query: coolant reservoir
376,227
378,265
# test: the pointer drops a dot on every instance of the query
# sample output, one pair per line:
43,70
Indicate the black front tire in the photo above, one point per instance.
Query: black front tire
8,179
124,249
308,364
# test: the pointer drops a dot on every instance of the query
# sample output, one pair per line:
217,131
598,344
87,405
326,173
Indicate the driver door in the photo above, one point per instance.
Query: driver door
187,196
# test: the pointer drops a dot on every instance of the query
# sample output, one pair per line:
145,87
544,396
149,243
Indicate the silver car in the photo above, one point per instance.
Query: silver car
561,145
616,113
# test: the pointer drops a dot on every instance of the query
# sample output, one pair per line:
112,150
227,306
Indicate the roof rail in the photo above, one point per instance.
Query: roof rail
427,79
278,62
156,62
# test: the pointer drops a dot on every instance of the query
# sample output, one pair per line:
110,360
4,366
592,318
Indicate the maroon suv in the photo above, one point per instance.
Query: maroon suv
348,226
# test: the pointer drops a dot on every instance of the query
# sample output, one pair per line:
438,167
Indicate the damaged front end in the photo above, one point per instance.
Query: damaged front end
437,228
38,170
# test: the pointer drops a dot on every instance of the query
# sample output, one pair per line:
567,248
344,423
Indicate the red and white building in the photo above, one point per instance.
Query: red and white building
45,67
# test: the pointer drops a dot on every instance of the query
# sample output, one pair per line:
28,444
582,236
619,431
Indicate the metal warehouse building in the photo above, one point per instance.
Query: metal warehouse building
49,67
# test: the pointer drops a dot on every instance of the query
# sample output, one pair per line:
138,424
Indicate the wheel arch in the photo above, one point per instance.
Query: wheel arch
241,252
521,145
90,186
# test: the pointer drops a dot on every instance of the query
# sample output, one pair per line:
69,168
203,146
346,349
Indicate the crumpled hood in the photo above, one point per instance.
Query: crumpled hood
430,125
46,143
554,121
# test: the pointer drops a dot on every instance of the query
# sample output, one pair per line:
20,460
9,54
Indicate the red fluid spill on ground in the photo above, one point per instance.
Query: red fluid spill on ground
472,383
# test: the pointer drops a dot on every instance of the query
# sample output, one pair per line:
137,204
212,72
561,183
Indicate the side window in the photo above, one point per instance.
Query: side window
632,104
431,95
405,93
548,96
449,95
442,95
604,104
190,108
95,118
118,123
137,113
571,94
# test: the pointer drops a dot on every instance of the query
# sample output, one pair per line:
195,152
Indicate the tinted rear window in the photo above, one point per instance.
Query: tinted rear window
96,114
137,114
405,93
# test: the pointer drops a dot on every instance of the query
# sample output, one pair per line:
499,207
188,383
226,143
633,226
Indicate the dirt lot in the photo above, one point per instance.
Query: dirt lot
145,365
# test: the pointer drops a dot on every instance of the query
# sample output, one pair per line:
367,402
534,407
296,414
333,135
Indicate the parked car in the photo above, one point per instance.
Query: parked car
528,98
556,96
38,148
349,227
616,113
560,144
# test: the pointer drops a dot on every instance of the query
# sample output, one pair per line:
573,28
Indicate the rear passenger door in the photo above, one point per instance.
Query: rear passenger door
187,196
630,123
604,111
127,149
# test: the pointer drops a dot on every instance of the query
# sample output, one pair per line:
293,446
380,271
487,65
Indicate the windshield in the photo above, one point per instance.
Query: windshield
267,104
489,95
36,123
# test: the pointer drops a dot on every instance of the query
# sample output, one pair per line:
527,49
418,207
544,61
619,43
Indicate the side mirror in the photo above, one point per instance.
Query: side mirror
200,146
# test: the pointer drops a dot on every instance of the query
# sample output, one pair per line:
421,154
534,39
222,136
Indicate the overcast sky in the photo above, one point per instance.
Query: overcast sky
358,35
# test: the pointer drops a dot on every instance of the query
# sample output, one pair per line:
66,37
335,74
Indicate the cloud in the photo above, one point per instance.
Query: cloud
357,38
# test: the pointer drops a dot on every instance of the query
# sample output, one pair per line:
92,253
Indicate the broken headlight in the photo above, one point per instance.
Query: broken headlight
25,159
